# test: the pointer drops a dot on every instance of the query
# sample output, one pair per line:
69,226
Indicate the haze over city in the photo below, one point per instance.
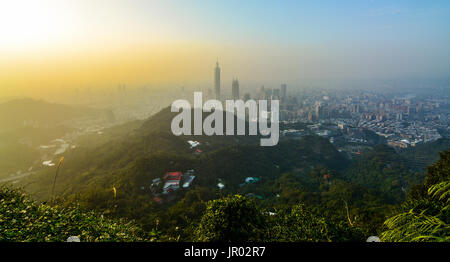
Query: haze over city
50,46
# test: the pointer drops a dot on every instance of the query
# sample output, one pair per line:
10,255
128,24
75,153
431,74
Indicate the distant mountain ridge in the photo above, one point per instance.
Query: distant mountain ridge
15,112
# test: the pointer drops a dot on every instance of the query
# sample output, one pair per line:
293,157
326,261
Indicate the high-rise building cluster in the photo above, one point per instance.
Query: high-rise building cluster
264,93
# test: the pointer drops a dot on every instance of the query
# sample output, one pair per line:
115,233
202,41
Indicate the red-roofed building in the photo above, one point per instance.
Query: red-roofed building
326,176
173,176
198,151
157,199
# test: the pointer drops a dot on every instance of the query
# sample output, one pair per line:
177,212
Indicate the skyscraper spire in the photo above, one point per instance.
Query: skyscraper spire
217,80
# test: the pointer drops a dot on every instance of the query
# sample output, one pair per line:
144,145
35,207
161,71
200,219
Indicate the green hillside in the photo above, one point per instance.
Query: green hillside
353,197
21,219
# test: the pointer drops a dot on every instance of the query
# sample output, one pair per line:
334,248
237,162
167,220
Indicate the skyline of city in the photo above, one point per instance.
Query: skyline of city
49,46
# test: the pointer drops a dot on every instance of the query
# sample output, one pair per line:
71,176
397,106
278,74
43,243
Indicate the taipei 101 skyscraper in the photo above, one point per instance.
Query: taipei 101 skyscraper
217,81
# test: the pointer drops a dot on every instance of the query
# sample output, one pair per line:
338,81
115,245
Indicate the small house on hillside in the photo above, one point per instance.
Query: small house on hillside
172,182
193,144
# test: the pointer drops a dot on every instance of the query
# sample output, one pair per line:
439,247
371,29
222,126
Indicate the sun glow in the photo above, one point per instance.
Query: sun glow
49,45
28,24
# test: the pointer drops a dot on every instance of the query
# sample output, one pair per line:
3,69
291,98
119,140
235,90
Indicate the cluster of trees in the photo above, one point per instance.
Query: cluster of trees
421,156
21,219
236,218
424,216
383,169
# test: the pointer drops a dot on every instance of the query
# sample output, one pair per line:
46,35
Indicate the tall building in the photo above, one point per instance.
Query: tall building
262,93
246,97
283,91
209,93
276,94
268,93
235,89
319,110
217,81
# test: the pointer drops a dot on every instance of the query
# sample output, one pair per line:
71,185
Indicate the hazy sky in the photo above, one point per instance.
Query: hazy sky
52,44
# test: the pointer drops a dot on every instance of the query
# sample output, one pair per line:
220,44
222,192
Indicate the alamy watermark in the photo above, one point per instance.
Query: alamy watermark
258,116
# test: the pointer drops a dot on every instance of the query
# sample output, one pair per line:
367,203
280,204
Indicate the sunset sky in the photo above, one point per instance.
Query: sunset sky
50,45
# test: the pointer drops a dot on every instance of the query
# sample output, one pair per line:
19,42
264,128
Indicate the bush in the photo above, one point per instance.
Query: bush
298,225
21,219
233,218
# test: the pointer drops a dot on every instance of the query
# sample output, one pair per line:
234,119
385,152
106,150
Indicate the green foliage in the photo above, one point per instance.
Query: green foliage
413,226
299,225
23,220
383,169
423,155
233,218
428,218
436,173
439,171
349,204
236,218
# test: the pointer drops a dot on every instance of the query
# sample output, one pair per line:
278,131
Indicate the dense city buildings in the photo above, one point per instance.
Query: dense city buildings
401,120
